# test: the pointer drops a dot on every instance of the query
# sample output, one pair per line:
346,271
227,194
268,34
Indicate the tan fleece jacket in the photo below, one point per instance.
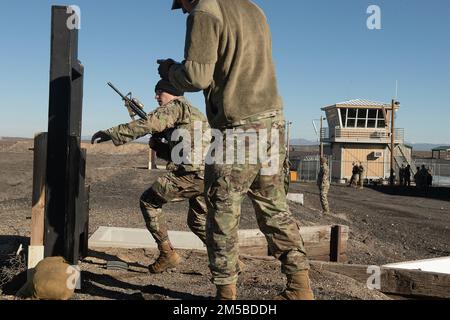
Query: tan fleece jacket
228,54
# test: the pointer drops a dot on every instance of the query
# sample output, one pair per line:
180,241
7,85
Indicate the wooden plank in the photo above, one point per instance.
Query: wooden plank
322,249
254,251
357,272
313,234
415,283
317,240
395,281
38,198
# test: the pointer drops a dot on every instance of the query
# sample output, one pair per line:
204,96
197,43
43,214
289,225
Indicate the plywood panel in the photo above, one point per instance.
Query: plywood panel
374,167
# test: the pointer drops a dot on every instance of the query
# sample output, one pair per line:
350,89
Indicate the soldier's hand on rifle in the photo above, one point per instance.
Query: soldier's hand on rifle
164,67
100,137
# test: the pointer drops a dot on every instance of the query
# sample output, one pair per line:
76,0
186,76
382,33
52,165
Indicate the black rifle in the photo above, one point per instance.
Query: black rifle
134,106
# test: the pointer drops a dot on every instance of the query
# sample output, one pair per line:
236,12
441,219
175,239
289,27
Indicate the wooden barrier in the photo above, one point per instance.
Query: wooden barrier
322,243
395,281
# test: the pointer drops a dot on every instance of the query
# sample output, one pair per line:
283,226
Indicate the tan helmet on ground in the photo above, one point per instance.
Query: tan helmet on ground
50,280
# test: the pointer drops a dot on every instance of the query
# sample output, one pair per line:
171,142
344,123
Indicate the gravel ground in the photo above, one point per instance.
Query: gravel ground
385,226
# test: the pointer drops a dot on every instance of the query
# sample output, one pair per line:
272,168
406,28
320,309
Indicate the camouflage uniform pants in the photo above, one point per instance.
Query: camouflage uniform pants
174,187
324,197
226,186
354,180
361,181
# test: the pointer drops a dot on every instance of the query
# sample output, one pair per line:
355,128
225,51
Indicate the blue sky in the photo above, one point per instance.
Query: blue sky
323,51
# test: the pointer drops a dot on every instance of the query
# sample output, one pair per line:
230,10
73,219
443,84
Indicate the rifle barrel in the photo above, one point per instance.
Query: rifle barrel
131,103
116,90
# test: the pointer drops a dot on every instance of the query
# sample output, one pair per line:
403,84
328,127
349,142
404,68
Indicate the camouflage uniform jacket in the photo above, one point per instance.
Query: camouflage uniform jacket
176,117
228,54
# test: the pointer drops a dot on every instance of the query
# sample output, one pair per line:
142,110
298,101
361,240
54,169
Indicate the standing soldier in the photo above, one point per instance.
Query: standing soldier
323,182
186,181
402,175
408,176
417,178
354,179
228,54
361,176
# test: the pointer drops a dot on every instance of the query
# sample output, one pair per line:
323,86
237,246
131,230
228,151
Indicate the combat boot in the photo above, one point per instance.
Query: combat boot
298,287
226,292
168,258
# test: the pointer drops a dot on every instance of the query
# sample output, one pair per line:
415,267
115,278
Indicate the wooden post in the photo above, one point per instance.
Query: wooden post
321,137
65,173
36,249
152,160
38,199
336,244
288,151
392,182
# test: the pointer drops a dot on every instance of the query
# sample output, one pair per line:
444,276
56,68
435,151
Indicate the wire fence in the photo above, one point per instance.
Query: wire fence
374,172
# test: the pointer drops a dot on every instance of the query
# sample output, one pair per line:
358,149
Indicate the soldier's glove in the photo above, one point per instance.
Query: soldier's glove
164,67
100,137
154,143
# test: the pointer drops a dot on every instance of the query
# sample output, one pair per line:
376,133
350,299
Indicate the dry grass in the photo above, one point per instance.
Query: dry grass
11,266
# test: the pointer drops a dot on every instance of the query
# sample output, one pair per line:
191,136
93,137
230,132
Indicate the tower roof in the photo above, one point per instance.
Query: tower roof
359,103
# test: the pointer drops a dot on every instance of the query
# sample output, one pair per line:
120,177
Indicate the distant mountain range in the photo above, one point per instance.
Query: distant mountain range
294,142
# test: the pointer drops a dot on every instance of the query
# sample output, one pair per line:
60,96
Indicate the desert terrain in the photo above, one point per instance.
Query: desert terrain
386,226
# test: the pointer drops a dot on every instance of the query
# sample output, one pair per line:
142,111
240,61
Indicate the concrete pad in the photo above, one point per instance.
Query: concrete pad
438,265
106,237
126,238
296,197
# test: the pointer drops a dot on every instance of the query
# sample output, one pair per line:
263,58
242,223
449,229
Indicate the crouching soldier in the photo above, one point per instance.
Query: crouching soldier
186,179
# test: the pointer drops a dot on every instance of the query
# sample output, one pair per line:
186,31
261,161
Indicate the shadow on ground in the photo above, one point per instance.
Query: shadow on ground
438,193
94,285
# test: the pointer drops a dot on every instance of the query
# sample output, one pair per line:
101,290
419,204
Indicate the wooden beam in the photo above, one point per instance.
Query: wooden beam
336,244
38,198
36,248
318,242
395,281
152,160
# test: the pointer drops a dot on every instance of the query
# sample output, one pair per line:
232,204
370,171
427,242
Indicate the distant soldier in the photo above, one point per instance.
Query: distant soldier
423,177
354,179
287,174
323,182
402,175
185,181
417,177
408,175
361,176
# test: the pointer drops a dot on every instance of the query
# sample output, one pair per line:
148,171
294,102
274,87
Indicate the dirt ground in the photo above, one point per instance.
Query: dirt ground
386,226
